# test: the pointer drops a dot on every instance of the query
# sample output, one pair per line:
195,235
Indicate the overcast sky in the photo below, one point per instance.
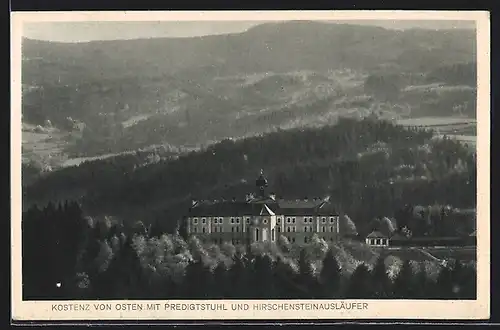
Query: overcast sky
87,31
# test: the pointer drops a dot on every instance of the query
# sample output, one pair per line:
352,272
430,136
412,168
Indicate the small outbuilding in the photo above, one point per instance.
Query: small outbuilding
376,238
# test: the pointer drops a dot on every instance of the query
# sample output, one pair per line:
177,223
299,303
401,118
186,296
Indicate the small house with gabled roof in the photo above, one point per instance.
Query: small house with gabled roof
376,238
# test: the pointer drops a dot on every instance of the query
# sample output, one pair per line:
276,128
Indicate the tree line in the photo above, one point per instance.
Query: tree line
67,255
371,168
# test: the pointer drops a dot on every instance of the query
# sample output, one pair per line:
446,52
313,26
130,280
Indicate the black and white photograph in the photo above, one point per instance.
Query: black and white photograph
263,160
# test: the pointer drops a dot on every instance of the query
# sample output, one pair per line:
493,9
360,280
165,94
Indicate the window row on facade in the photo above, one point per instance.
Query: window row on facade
215,230
309,229
306,219
290,229
237,220
220,220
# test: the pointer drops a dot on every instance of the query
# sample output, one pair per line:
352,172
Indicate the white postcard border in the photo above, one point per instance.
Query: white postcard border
362,309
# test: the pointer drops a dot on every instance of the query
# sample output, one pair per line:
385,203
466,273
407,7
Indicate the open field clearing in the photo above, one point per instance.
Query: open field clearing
462,129
411,253
466,253
79,160
365,253
435,121
134,120
47,147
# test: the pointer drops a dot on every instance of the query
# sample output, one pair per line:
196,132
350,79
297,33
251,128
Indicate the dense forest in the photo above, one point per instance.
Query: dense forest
370,168
67,255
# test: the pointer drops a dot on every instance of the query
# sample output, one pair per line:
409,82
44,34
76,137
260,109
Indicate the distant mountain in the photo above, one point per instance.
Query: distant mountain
277,47
128,94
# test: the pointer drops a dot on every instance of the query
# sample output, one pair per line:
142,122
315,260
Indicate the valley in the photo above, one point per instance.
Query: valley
311,101
102,99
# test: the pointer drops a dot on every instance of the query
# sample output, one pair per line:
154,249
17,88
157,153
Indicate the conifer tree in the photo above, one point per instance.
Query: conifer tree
456,271
181,229
239,277
306,277
83,287
221,284
284,276
264,285
359,286
404,286
468,283
123,278
463,280
422,283
170,288
37,270
52,245
156,230
443,288
198,280
330,275
380,280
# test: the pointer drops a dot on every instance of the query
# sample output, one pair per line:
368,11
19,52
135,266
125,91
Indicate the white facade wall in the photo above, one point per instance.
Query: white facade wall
377,241
298,229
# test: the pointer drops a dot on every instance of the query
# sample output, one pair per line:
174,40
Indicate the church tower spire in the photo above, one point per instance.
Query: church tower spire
261,183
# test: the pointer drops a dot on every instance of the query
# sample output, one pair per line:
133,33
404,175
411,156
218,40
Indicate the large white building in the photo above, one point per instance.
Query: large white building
263,218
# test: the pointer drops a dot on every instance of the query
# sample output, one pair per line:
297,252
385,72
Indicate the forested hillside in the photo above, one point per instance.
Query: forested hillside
68,256
370,168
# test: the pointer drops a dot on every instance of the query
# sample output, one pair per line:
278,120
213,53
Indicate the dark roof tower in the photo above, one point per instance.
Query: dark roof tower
261,183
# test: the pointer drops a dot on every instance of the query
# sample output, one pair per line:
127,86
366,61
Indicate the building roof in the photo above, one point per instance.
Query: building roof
266,210
262,200
299,203
376,234
262,206
223,208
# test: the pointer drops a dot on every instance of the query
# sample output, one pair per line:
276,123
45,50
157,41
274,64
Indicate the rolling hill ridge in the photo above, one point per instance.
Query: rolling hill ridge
108,97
